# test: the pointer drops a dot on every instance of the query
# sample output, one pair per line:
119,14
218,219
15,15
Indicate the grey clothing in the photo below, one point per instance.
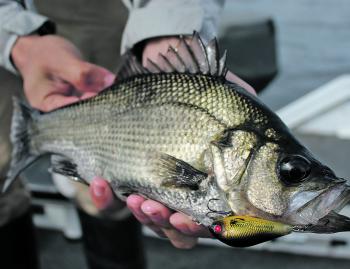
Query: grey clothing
147,19
154,18
97,33
15,21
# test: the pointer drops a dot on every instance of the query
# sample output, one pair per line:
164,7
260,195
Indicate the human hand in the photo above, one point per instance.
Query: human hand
54,74
161,45
181,231
179,228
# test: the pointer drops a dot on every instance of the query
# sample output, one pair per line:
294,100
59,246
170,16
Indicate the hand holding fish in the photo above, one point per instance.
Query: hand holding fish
161,45
179,133
181,231
54,73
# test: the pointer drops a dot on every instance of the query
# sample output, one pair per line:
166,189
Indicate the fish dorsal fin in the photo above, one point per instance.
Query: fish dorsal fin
190,55
130,67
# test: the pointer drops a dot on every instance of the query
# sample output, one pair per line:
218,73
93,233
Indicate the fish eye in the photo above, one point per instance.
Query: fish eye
294,169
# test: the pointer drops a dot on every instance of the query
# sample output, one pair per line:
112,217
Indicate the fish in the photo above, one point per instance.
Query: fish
179,133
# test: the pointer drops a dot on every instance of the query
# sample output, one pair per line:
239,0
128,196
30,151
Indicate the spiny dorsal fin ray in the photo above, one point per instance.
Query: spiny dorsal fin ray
212,50
165,63
189,56
185,53
130,67
153,67
175,60
200,53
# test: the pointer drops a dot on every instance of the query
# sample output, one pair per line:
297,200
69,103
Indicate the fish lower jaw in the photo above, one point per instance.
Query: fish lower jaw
319,208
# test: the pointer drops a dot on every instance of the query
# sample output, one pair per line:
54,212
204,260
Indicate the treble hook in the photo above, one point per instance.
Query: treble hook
213,211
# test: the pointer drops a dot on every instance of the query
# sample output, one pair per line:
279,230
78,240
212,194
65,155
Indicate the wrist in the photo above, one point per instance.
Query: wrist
20,51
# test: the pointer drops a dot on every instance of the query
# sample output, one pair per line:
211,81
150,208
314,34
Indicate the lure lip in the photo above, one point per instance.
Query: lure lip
331,223
320,208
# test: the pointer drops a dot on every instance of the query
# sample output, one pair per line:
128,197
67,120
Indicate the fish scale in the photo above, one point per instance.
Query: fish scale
137,126
141,123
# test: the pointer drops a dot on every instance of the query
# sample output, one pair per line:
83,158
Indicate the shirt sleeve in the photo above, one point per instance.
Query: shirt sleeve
156,18
15,21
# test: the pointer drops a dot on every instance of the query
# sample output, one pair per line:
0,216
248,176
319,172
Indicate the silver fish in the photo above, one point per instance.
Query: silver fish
180,133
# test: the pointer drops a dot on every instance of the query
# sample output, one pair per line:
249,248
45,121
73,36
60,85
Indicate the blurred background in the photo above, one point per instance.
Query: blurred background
286,49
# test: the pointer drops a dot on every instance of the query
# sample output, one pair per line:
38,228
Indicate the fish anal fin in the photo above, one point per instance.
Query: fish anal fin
177,173
64,166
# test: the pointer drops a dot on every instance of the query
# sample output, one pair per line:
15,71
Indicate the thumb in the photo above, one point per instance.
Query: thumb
47,96
234,78
101,193
87,77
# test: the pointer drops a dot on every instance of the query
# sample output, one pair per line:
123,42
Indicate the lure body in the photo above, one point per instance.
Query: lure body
245,231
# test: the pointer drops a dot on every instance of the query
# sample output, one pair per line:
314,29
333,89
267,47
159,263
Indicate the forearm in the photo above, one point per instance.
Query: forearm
15,21
157,18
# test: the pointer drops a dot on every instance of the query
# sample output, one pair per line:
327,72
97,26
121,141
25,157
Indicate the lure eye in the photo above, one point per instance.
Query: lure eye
217,228
294,169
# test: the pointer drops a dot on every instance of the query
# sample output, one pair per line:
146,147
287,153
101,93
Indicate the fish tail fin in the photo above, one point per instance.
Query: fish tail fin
22,119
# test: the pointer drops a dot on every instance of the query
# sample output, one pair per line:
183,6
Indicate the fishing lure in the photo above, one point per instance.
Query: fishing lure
245,231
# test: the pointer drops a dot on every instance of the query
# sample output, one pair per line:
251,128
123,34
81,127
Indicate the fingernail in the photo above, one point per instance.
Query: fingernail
109,80
155,217
184,229
147,209
151,213
99,191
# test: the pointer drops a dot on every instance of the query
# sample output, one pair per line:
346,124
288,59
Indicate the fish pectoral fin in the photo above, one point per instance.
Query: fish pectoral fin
177,173
66,167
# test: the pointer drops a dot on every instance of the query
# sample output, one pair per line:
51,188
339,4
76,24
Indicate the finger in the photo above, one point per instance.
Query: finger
54,101
134,203
185,225
87,95
180,240
59,85
46,96
86,77
156,46
101,193
64,88
157,213
157,230
233,78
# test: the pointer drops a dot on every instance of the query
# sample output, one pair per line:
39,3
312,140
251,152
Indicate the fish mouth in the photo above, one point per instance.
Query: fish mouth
332,222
